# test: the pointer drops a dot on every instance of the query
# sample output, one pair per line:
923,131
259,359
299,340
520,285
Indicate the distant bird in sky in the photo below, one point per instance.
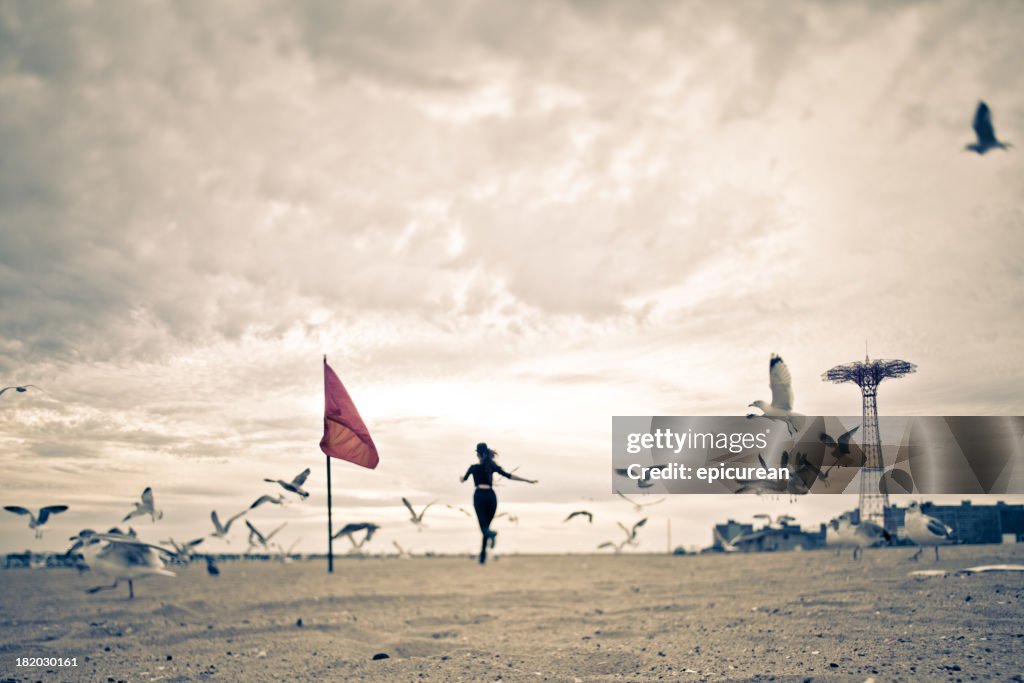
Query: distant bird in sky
764,516
258,539
639,507
616,546
462,510
145,507
369,527
782,520
37,521
631,533
925,530
985,132
278,500
295,485
580,513
841,452
221,530
644,482
781,408
21,390
802,473
416,519
119,557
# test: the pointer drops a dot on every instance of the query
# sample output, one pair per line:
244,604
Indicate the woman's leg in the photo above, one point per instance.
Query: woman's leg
486,504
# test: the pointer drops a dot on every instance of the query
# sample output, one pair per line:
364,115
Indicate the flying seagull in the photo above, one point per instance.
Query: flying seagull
986,133
37,521
369,527
221,530
256,538
279,500
21,390
183,551
413,517
145,507
781,408
295,485
580,513
644,482
462,510
925,530
639,507
730,545
120,557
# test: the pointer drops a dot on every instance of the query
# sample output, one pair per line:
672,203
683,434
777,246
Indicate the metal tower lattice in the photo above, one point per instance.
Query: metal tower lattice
874,497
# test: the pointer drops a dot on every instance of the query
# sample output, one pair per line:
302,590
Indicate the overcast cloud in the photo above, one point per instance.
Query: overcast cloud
501,221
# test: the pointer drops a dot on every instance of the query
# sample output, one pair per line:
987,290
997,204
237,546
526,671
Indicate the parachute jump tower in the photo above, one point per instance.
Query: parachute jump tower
874,497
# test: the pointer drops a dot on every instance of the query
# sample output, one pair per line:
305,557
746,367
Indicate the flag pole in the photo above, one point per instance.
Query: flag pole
330,528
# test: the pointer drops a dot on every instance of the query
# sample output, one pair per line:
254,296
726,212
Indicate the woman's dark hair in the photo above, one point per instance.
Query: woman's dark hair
482,449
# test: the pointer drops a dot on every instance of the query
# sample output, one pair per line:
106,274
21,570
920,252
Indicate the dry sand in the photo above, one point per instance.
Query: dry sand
785,616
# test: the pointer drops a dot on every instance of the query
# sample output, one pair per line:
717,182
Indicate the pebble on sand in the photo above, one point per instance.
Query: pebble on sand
381,655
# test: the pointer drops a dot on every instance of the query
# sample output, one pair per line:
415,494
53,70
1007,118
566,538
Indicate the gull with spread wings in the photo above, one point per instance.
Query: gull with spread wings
781,408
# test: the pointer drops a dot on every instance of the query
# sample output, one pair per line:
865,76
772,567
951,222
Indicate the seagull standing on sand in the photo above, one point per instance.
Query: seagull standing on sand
416,519
37,521
295,485
925,530
985,131
842,533
21,390
119,557
221,530
781,408
145,507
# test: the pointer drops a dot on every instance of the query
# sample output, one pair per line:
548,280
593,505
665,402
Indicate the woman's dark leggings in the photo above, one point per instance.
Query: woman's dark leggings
485,503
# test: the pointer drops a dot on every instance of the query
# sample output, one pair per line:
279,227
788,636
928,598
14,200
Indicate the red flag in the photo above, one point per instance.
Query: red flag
345,434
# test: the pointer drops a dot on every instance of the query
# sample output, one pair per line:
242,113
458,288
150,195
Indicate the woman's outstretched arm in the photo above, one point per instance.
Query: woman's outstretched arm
516,477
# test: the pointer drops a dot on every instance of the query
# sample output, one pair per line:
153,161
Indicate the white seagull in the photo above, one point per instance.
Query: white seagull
221,530
145,507
295,485
924,530
120,557
730,545
985,131
416,519
37,521
842,533
781,408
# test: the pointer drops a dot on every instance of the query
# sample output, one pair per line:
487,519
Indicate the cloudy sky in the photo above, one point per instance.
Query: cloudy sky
500,221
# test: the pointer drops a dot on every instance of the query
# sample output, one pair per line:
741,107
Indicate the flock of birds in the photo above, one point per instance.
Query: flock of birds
122,556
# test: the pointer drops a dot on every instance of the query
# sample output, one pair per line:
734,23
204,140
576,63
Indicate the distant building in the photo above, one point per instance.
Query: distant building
768,539
973,524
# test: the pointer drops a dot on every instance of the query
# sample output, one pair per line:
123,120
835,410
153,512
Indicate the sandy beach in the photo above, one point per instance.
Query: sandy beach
785,616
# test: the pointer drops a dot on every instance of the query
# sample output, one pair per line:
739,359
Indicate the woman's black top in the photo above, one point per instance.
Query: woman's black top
483,473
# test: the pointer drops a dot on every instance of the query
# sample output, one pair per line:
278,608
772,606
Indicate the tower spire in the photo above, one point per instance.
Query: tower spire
874,497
